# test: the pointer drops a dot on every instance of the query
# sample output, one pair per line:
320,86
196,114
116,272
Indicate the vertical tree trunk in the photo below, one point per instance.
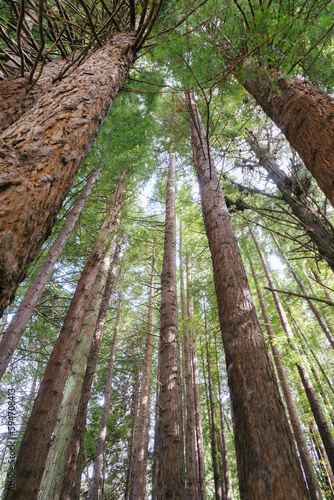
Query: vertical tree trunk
170,473
138,483
55,466
305,115
102,434
310,302
134,412
36,441
315,492
201,492
319,417
71,483
41,153
192,481
267,461
19,322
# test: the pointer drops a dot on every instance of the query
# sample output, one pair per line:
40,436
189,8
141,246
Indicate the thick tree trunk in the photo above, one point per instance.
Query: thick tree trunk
315,492
41,153
192,481
102,434
310,302
138,483
201,492
170,470
318,414
268,466
316,227
305,115
71,483
19,322
36,441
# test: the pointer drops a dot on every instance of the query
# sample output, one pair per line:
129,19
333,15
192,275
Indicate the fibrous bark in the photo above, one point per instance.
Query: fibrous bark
138,483
170,469
305,115
41,153
19,322
36,440
267,461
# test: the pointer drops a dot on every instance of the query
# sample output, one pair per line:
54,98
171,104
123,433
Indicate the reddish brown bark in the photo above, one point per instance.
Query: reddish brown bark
268,466
138,483
305,115
102,433
41,153
71,482
170,469
19,322
36,440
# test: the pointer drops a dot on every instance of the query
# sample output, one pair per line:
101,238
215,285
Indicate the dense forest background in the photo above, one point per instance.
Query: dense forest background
203,59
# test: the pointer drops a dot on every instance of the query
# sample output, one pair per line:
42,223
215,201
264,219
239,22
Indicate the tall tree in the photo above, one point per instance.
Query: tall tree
36,440
263,440
41,152
169,442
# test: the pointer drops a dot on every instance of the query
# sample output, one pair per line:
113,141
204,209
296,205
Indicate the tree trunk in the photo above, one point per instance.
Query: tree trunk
305,115
36,441
308,387
71,483
170,470
315,492
138,483
197,403
322,457
102,434
19,322
42,152
192,481
268,466
56,462
134,412
315,226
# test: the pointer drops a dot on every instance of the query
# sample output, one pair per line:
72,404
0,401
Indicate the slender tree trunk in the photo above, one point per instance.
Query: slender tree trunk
318,414
197,403
170,454
36,441
56,463
267,461
134,412
315,492
102,434
226,490
316,227
192,481
310,302
322,456
19,322
305,115
138,483
71,483
213,415
42,152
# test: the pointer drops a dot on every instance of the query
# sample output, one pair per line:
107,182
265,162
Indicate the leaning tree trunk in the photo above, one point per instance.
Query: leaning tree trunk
138,480
170,470
305,115
102,433
318,414
316,227
41,153
36,441
268,465
19,322
315,492
72,477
